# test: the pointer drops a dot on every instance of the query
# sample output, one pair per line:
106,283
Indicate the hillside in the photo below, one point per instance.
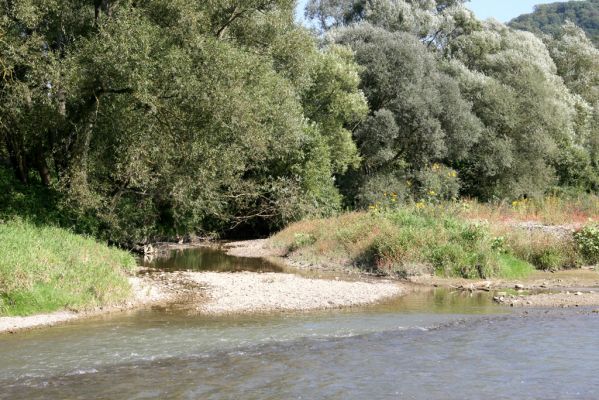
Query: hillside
549,18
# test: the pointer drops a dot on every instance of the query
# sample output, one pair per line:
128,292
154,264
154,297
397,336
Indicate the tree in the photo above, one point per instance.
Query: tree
528,112
168,117
418,114
550,18
577,62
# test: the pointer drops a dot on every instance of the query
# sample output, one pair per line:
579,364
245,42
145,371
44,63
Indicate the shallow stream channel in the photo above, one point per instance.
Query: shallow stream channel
431,344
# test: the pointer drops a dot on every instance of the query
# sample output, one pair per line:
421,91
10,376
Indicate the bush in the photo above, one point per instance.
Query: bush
437,183
587,240
302,240
423,238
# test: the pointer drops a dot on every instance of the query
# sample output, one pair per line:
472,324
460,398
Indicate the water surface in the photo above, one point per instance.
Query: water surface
434,344
209,259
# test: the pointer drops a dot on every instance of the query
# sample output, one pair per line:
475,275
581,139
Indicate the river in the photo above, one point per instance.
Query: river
433,344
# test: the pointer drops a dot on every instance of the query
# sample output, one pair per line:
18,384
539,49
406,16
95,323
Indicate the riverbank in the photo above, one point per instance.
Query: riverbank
571,288
565,299
45,269
146,291
236,293
228,293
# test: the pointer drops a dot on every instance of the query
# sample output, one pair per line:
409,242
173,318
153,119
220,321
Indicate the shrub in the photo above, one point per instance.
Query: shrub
437,183
587,240
302,240
401,241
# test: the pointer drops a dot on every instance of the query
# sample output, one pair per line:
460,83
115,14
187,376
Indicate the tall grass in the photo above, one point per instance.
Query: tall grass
450,239
44,269
401,242
551,210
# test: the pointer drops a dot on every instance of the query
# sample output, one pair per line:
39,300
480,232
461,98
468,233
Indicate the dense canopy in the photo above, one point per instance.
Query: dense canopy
550,18
160,118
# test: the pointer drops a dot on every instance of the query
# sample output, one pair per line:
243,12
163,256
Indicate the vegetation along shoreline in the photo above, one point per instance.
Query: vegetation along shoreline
387,143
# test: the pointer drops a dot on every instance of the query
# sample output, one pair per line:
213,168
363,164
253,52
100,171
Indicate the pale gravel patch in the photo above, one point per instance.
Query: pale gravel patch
552,300
12,324
231,293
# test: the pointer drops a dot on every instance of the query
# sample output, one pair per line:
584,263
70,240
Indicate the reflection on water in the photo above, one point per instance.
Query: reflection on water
209,259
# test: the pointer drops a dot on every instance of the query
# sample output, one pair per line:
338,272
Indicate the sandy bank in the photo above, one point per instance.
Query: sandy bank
230,293
257,248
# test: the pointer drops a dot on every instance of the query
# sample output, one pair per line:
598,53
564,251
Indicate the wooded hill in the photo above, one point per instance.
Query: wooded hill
549,18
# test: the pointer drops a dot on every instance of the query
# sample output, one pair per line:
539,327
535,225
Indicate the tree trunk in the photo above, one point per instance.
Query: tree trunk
17,158
42,168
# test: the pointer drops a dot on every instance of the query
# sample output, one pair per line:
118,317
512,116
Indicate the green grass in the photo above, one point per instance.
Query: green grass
45,269
416,239
514,268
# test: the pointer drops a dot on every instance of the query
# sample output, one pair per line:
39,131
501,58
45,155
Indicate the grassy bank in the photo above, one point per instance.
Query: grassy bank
45,269
436,239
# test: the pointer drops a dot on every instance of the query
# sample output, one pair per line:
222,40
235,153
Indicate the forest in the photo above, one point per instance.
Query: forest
135,120
550,18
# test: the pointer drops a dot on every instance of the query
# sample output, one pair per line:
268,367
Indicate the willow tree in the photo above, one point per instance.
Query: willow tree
170,117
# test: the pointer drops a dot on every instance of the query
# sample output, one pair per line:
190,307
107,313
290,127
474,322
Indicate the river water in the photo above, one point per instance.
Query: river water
430,345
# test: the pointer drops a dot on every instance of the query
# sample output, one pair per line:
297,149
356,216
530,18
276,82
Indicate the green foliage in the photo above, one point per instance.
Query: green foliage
437,183
302,240
418,115
402,241
587,240
48,269
155,119
162,118
514,268
549,18
527,111
480,99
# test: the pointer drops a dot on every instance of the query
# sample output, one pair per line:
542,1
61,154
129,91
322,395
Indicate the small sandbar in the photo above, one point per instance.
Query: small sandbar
231,293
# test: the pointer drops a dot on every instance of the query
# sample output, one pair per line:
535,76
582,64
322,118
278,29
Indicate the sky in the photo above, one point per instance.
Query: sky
502,10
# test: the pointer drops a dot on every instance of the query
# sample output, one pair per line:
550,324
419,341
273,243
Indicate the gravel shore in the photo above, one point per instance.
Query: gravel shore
247,292
228,293
254,292
551,300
